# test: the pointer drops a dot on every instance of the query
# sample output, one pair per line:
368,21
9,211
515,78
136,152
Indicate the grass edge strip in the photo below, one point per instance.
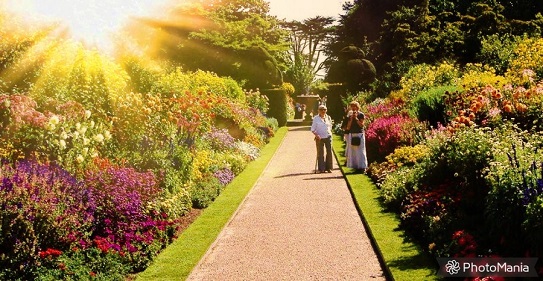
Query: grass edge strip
391,272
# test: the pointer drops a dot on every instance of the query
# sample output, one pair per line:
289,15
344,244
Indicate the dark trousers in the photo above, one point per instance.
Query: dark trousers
321,145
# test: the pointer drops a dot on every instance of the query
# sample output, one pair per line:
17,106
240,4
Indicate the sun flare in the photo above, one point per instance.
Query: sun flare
90,21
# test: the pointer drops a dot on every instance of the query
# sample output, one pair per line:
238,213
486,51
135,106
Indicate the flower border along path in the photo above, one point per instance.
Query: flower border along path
179,258
404,260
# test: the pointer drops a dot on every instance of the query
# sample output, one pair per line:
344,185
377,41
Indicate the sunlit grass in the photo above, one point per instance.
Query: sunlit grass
404,259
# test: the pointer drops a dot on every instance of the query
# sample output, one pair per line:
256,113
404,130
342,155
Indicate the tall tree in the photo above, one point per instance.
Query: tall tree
235,38
305,58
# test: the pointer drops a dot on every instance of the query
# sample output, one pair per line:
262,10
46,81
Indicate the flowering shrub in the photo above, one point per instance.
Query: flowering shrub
43,213
205,191
123,222
431,213
69,136
397,185
514,200
385,134
489,106
402,156
249,151
74,73
422,77
225,176
381,108
429,105
463,244
118,168
527,56
476,76
220,139
256,100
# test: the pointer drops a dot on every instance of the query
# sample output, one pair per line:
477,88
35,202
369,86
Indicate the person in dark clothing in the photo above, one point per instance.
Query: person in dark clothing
353,127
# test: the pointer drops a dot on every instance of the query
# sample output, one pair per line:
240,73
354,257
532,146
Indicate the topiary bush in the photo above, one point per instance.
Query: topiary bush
278,104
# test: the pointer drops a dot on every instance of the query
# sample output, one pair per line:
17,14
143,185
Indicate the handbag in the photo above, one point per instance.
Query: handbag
355,140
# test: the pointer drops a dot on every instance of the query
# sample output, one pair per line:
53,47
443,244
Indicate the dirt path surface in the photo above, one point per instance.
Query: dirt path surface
293,225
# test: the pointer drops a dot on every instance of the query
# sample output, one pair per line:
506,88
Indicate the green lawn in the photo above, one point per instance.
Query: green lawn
178,259
404,260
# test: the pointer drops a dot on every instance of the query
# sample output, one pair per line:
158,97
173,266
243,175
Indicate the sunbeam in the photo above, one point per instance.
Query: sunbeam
90,21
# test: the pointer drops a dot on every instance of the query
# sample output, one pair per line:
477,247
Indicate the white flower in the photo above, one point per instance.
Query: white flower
76,135
92,124
87,114
86,141
107,135
83,130
99,138
62,144
78,126
54,120
7,103
80,158
63,135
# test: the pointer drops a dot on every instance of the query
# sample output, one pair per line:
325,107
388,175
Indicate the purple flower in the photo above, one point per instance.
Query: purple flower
225,176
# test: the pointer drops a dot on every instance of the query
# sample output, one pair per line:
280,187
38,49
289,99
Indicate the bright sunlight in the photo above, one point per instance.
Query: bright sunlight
90,21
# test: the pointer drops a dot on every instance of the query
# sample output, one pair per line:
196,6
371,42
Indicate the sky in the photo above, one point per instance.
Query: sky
303,9
94,20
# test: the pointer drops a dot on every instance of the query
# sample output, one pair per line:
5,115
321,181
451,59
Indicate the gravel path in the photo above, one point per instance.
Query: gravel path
293,225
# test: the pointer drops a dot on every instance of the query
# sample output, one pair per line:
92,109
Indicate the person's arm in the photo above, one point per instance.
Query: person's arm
314,129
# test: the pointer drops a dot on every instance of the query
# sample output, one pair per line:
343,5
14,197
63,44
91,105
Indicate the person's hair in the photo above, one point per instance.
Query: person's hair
355,103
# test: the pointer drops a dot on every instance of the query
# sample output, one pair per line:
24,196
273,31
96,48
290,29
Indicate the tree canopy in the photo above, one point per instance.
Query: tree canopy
396,34
305,57
229,37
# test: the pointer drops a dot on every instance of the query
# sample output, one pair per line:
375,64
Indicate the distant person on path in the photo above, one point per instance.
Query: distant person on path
322,129
353,127
298,113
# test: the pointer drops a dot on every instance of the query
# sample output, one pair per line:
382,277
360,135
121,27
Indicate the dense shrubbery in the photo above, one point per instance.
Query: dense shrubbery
473,186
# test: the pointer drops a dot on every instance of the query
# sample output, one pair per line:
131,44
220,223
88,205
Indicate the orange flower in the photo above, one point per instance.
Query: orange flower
508,108
520,107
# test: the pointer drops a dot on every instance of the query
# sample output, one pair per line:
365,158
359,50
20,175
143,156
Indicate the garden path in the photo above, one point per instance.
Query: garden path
293,225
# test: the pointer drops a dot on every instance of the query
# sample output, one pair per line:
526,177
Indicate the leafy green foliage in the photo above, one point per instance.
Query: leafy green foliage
429,105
